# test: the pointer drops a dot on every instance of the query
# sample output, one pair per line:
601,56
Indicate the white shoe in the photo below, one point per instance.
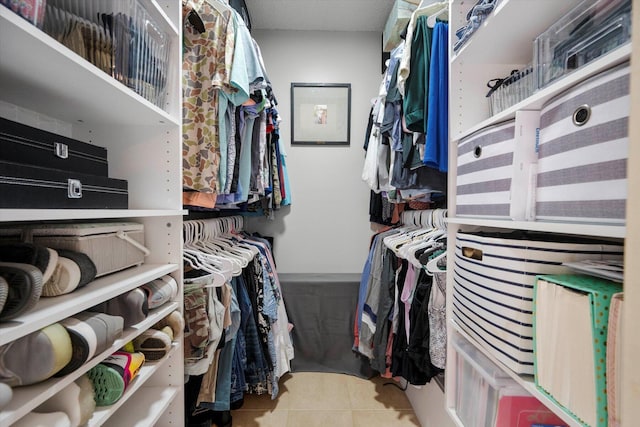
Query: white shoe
75,400
51,419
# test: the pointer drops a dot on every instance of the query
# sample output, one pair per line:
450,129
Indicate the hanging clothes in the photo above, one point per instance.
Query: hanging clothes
207,61
237,337
436,153
407,134
227,97
399,324
417,83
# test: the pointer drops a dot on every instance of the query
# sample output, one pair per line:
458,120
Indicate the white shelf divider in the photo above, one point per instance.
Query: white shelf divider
21,215
26,399
139,403
595,230
526,381
51,310
84,96
507,29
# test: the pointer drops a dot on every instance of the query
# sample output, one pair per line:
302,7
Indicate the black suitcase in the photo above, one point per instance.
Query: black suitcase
30,146
31,187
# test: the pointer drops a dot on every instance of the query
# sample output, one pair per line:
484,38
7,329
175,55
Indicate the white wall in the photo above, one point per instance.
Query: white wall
326,230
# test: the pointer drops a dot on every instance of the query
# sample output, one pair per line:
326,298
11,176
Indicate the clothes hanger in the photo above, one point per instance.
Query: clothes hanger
431,20
432,266
218,264
428,240
230,263
212,230
192,16
192,258
210,246
195,234
219,5
231,248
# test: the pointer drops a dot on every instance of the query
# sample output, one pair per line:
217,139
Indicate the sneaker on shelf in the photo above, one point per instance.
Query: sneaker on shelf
65,278
49,419
131,306
160,291
87,399
76,400
87,267
91,334
35,357
174,320
113,375
153,344
25,288
44,259
4,292
6,393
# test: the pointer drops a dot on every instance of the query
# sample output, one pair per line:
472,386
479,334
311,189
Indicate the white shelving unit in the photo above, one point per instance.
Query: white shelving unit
26,399
504,42
44,78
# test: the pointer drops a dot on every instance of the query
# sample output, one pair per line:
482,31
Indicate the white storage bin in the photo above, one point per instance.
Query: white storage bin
112,246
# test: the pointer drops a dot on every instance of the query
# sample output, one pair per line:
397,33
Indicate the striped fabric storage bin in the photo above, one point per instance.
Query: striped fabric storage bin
583,146
495,169
494,276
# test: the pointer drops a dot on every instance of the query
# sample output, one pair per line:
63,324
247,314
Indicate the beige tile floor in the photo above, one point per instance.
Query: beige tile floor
311,399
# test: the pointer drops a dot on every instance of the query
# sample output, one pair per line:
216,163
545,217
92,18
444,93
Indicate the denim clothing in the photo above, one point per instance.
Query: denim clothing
476,15
284,175
256,369
387,297
238,379
250,116
364,279
236,316
372,298
223,379
423,178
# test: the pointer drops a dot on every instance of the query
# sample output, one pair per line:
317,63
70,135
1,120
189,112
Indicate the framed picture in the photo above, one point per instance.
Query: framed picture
320,113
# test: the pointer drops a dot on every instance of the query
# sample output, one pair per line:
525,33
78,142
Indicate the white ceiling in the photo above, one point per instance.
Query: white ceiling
327,15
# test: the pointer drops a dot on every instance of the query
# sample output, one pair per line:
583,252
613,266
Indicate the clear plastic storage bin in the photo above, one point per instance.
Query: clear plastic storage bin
590,30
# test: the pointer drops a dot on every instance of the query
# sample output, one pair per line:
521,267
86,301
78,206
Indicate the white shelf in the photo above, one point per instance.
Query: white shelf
137,400
156,11
537,100
146,408
596,230
454,416
526,381
41,74
500,38
26,399
14,215
51,310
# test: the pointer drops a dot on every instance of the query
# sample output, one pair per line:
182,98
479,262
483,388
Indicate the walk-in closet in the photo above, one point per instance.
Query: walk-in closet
287,213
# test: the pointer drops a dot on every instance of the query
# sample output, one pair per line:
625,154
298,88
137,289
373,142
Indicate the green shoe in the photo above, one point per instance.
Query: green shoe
107,383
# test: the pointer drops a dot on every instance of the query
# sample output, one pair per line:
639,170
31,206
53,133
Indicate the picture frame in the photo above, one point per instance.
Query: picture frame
320,113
